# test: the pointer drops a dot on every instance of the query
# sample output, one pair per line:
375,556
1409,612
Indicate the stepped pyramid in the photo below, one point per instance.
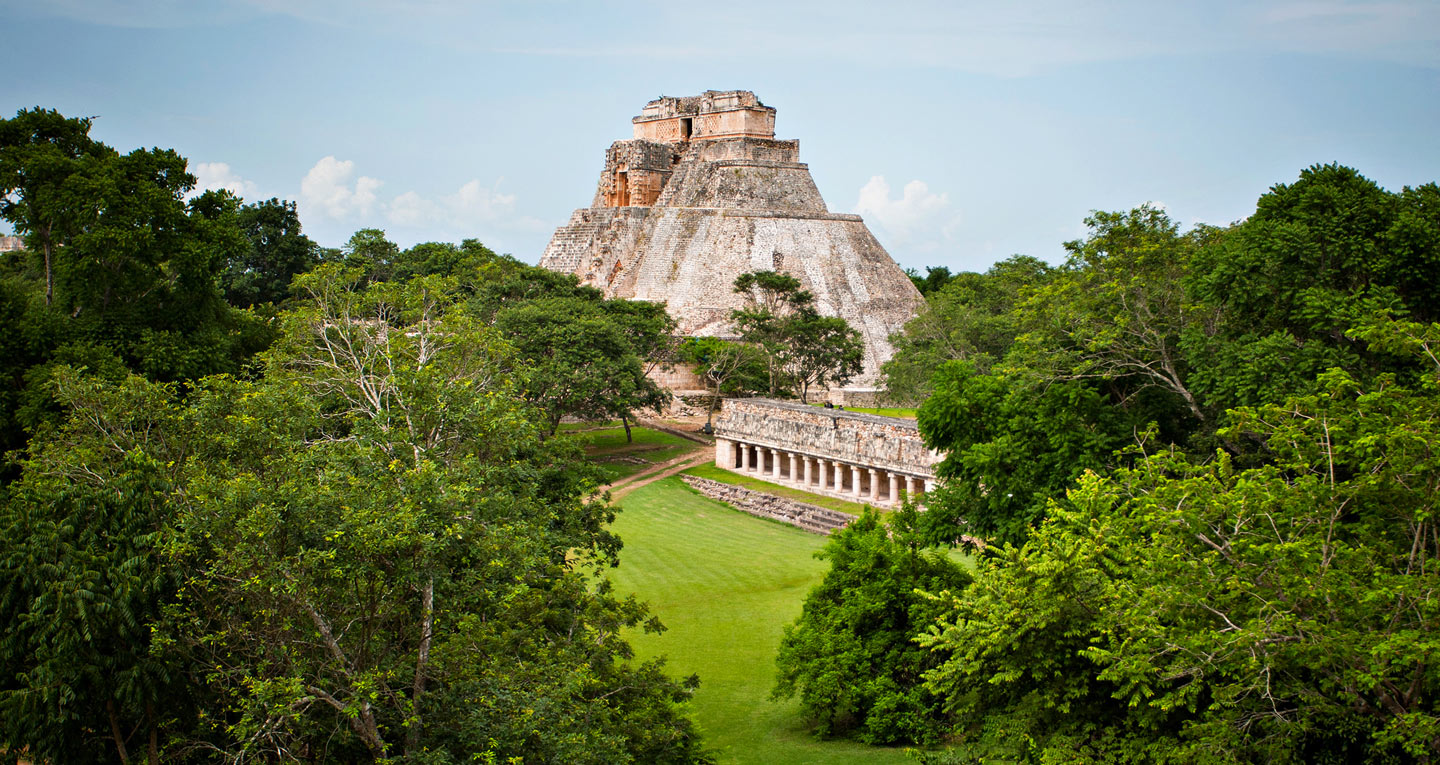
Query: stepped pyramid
703,193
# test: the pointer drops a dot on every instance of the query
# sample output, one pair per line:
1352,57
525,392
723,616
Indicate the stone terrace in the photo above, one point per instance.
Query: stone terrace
860,457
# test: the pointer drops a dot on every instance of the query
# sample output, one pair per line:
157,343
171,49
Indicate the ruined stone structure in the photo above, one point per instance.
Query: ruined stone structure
812,518
11,243
859,457
703,193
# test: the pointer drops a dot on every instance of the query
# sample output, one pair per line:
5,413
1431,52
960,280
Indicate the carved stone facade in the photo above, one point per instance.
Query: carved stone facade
705,192
859,457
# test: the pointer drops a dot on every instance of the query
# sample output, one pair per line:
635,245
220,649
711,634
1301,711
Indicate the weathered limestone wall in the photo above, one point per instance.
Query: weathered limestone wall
676,220
867,440
678,377
820,520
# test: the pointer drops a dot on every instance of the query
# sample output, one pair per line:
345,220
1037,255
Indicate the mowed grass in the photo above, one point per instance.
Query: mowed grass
750,482
619,459
901,412
725,584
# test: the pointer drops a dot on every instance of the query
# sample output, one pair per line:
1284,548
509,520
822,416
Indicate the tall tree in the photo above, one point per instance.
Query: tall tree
851,656
822,351
973,318
581,361
44,160
277,252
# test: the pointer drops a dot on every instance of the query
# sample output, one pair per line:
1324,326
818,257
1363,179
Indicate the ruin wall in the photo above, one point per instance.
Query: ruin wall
889,443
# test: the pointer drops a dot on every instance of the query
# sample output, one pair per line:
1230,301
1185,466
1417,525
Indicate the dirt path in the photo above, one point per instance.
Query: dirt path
663,470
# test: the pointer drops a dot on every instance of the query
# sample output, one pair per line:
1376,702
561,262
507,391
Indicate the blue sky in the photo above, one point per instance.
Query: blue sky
963,132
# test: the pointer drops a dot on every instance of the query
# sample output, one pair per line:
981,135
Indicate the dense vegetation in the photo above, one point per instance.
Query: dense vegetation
278,503
1201,469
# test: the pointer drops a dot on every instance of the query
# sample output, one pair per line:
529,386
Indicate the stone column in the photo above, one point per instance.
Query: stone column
744,457
724,457
894,490
909,487
874,493
808,460
855,481
794,473
774,464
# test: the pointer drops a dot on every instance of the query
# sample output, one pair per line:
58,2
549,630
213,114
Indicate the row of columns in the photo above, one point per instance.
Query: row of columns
860,483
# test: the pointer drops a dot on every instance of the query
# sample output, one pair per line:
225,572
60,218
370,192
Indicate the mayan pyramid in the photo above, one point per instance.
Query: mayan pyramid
703,193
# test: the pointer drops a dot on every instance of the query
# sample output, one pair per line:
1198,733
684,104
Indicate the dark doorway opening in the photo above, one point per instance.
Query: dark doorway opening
685,125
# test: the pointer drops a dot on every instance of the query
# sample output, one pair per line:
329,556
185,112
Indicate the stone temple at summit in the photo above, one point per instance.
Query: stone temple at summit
703,193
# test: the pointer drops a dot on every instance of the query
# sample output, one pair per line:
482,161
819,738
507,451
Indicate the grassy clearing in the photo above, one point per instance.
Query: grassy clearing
901,412
725,584
799,495
618,459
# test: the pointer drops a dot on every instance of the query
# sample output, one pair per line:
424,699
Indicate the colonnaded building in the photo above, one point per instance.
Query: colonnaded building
705,192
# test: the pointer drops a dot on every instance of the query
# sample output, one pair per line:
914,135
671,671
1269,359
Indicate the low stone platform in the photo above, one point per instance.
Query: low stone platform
812,518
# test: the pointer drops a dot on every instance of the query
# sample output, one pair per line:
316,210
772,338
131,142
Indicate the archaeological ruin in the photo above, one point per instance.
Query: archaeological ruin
881,461
705,192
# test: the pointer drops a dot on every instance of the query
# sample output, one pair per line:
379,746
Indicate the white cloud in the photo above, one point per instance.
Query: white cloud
218,176
471,204
919,219
328,188
332,188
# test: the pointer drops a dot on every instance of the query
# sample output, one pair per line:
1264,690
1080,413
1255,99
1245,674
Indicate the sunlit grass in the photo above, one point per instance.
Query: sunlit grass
726,583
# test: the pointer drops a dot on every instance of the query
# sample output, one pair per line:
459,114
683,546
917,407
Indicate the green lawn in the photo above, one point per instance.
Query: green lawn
725,583
750,482
908,414
618,459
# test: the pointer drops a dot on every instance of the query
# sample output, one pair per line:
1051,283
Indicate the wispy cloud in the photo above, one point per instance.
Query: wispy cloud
1005,39
333,189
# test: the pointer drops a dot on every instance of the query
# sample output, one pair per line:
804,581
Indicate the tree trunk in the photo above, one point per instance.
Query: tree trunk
422,660
49,277
629,438
115,731
153,750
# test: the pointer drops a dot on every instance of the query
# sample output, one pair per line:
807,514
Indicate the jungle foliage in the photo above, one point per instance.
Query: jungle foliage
270,502
1200,468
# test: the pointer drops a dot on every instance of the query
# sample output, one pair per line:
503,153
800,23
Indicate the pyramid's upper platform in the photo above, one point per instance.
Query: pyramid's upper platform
712,114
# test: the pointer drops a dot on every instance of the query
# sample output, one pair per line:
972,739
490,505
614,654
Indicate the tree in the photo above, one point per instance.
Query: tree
381,540
128,270
1010,447
1191,610
277,252
369,250
823,351
973,318
771,300
728,368
82,586
851,656
44,158
1285,285
580,361
368,553
800,347
1118,310
935,279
